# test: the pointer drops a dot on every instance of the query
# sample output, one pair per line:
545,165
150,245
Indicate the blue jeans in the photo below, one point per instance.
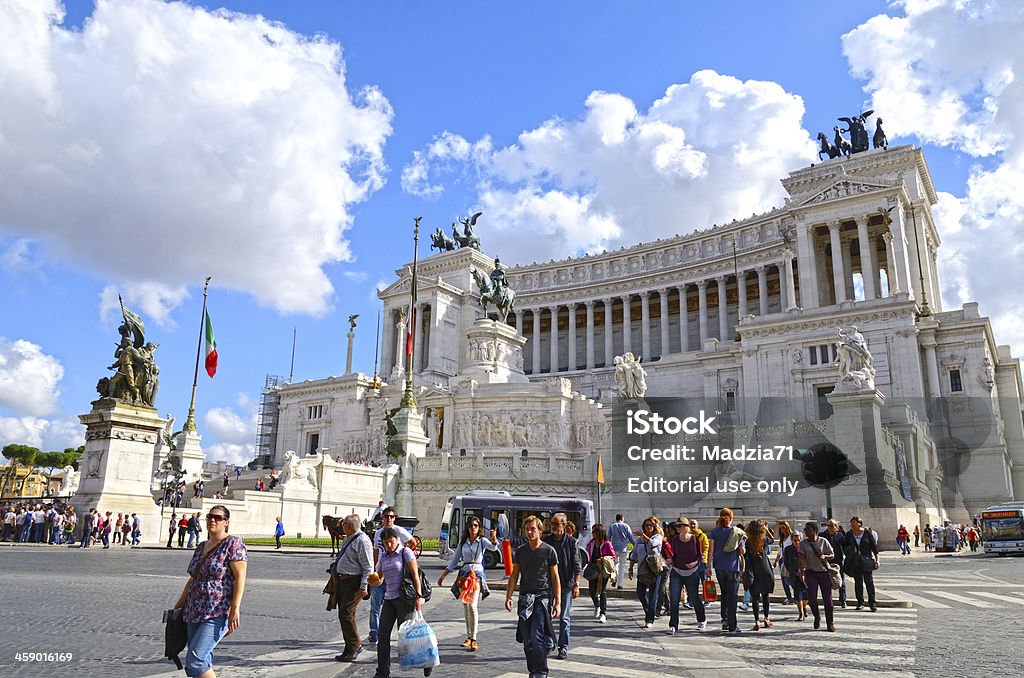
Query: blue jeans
86,536
729,583
376,600
676,583
564,619
25,530
648,595
202,638
786,587
536,643
904,546
37,532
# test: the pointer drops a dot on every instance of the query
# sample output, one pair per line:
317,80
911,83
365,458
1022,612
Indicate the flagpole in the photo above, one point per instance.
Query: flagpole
408,399
376,353
190,422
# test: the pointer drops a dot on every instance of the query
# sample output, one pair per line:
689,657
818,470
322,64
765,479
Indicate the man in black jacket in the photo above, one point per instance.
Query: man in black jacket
835,536
861,561
569,571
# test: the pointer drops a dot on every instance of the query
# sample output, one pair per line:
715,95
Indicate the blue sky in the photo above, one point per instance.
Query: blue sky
146,145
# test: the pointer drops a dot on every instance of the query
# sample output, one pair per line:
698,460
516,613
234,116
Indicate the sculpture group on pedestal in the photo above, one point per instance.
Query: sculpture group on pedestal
136,375
630,377
858,143
295,475
495,290
441,242
853,358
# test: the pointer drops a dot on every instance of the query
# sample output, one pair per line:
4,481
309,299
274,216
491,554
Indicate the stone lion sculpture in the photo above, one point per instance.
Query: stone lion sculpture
297,475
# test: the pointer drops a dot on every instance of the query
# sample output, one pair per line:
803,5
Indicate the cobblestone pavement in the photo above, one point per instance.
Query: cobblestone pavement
104,608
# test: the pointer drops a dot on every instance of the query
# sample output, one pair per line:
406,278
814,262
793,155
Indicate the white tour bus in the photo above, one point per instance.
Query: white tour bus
1002,528
505,514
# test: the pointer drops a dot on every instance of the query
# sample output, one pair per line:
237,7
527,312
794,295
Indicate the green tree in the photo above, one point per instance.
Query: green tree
17,455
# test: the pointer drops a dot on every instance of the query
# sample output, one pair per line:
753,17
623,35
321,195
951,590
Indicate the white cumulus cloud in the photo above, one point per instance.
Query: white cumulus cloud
948,72
235,433
29,378
709,150
161,136
48,435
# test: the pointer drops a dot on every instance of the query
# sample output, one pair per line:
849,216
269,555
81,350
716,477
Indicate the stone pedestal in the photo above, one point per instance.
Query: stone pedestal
872,491
494,354
189,453
409,423
120,441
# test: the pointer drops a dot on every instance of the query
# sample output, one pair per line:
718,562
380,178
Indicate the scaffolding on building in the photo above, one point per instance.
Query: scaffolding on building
266,422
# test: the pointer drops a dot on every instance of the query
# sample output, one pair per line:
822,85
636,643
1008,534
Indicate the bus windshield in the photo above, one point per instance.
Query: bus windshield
1000,529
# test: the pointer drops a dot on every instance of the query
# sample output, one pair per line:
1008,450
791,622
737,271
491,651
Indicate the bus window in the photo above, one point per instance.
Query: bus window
455,531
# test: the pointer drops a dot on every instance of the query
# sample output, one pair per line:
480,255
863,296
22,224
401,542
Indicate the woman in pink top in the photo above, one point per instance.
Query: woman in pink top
598,548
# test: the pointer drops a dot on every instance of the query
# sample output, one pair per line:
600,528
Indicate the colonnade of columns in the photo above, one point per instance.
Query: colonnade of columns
617,330
841,242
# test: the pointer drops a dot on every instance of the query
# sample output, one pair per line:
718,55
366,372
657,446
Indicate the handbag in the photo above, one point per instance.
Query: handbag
655,563
590,571
407,591
710,591
834,577
175,635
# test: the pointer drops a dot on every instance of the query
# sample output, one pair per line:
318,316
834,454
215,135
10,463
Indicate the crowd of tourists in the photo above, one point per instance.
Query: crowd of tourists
57,523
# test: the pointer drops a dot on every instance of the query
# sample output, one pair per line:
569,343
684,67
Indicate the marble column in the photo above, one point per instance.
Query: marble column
590,334
847,246
702,310
723,310
933,369
741,290
609,352
808,269
891,270
663,308
899,248
790,283
536,341
684,321
399,364
868,271
762,290
627,327
553,367
417,338
645,324
519,323
572,336
838,270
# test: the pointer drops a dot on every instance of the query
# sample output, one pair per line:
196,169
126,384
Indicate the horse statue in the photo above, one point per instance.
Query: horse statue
858,131
826,148
333,526
842,145
440,241
502,297
467,238
879,140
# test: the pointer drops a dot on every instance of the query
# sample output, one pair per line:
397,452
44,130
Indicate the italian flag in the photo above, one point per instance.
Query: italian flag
211,348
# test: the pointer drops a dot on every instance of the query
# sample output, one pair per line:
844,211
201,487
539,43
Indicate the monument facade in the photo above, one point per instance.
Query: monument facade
800,324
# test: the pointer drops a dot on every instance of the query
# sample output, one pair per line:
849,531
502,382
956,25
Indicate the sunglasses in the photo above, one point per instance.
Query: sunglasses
389,515
216,517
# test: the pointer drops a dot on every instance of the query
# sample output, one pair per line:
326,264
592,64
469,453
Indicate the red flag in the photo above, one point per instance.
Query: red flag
211,348
408,334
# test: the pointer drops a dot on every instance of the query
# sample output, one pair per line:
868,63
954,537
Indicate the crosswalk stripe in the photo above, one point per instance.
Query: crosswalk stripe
836,671
628,657
822,660
571,667
996,596
967,601
837,642
918,600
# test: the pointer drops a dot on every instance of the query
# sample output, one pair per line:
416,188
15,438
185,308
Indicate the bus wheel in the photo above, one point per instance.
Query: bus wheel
491,559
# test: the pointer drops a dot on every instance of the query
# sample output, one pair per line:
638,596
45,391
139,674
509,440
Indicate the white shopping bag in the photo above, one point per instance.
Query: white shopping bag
417,644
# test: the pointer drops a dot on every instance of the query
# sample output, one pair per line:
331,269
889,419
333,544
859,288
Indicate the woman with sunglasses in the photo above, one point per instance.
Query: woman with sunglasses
469,557
648,582
212,595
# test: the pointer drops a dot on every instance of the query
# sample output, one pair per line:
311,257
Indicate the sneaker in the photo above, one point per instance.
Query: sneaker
671,630
744,607
688,605
701,626
597,612
648,625
725,626
562,653
874,609
602,619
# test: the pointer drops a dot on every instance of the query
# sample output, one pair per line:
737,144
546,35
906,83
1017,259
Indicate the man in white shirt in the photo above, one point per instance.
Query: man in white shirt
620,535
10,520
387,517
